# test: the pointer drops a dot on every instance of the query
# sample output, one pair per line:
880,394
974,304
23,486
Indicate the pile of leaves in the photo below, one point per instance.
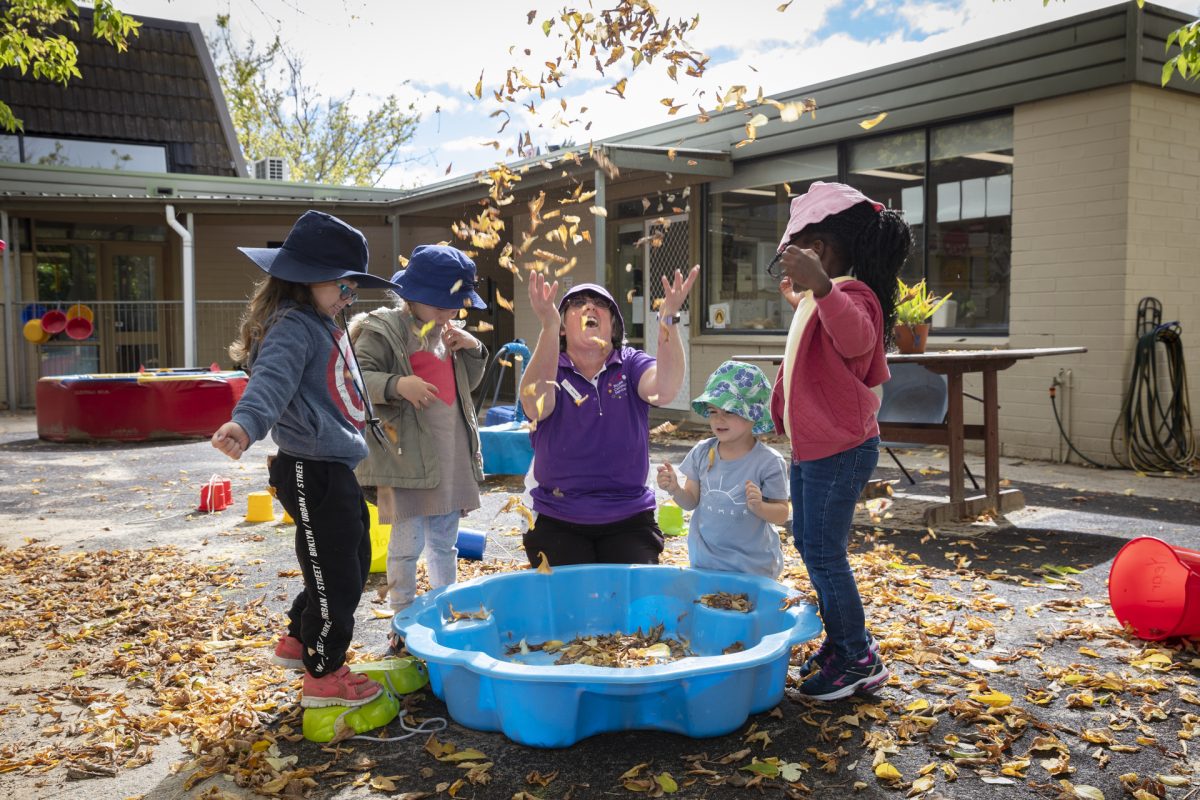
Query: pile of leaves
136,646
728,601
618,650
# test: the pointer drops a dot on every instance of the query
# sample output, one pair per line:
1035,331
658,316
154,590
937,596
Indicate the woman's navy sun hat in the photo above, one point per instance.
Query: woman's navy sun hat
440,276
738,388
319,248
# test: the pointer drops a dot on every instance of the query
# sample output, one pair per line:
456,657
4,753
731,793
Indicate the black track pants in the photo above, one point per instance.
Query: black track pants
333,545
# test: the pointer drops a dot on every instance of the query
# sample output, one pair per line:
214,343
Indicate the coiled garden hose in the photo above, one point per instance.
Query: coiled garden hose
1153,432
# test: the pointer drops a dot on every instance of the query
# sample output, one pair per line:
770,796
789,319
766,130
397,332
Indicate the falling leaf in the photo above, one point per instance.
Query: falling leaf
503,302
544,566
867,124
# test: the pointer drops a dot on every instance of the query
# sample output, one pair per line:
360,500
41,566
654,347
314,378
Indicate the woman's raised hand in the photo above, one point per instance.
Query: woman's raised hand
675,292
543,297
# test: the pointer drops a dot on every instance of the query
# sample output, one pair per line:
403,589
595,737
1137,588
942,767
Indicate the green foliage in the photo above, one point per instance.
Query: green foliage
915,304
324,140
30,43
1187,60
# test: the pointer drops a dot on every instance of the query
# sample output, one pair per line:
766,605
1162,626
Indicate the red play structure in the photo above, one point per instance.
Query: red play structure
137,406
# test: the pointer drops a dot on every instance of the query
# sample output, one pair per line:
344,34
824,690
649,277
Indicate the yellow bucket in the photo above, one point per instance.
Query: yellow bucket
34,333
379,540
260,507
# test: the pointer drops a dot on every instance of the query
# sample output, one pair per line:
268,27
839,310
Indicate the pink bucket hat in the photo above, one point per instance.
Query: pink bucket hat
820,201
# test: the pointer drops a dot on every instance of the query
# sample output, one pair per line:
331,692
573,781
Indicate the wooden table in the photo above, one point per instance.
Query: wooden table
953,432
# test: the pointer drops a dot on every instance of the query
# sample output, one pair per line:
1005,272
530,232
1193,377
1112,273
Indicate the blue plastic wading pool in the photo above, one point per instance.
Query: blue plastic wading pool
537,703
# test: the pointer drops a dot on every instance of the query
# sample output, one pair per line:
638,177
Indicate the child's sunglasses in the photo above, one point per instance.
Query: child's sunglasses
775,269
347,293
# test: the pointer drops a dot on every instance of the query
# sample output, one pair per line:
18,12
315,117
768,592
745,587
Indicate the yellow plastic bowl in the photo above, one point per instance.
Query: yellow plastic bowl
34,332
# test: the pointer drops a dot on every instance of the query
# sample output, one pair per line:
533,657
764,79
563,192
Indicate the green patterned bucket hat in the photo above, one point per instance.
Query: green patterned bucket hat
741,389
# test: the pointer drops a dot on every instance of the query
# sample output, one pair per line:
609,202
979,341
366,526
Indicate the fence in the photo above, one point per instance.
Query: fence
125,336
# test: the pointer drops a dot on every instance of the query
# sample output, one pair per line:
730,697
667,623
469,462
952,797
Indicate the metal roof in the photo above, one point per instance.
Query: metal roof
1120,44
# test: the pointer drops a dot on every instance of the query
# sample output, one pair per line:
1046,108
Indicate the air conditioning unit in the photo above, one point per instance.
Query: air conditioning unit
271,168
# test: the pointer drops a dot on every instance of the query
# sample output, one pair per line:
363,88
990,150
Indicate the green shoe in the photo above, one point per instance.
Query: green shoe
397,675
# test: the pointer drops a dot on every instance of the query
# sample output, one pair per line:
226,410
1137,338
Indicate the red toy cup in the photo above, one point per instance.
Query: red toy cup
216,495
1154,588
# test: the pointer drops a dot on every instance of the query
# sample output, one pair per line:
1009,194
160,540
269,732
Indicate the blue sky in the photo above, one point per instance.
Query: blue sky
433,58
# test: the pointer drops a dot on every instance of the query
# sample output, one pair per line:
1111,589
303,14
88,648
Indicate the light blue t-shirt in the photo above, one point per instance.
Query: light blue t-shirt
724,533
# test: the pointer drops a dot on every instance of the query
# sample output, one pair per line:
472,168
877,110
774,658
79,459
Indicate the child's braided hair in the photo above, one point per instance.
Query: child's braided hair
874,245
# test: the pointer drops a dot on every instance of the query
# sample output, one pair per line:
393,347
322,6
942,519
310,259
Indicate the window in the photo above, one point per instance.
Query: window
90,154
953,184
970,230
746,216
891,170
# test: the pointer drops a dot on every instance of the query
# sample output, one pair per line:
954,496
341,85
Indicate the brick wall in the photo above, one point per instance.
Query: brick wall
1104,212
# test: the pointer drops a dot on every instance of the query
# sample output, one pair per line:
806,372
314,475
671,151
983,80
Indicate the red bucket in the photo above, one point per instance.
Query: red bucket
1154,588
53,321
79,327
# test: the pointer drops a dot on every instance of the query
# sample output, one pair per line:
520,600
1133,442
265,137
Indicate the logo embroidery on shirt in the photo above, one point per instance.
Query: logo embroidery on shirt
619,386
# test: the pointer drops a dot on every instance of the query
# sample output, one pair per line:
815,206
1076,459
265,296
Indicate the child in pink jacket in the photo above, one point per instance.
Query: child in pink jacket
840,257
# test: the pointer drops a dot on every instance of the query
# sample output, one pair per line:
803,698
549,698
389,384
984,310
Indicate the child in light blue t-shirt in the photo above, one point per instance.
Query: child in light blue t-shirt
736,486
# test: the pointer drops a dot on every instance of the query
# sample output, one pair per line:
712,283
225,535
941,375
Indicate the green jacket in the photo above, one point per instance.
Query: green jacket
380,341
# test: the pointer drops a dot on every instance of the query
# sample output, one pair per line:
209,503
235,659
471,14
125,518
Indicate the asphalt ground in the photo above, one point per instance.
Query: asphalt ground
1030,628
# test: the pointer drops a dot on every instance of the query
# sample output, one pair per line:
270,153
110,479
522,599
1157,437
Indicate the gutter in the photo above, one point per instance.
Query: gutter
10,345
189,285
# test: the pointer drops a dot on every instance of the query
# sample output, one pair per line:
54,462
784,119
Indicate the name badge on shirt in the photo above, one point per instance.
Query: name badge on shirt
571,390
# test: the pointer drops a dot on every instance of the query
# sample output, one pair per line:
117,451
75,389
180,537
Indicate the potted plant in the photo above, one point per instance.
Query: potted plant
914,306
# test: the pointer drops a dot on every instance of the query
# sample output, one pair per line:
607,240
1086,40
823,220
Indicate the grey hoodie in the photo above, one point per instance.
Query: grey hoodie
302,389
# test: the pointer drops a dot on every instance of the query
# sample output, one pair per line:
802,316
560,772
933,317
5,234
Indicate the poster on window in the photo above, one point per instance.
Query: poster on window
718,315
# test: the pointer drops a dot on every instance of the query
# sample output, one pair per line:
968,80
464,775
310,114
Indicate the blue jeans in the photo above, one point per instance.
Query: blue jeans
824,492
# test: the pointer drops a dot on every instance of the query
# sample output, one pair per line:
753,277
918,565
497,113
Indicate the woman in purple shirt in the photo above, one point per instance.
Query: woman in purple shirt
589,396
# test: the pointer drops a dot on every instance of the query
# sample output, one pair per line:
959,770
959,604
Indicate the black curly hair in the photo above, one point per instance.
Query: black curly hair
874,246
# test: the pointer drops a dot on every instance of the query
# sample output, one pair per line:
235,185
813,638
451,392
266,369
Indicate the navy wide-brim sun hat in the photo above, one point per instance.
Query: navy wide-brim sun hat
440,276
319,248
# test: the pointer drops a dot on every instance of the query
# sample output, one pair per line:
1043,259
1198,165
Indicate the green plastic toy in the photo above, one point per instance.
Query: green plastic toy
398,676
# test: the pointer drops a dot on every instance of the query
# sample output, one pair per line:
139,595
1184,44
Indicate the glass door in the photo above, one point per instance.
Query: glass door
666,249
135,324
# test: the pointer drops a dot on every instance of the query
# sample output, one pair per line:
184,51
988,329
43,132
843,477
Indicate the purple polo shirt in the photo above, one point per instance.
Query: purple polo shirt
591,457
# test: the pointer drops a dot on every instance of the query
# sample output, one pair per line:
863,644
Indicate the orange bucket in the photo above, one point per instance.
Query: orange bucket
80,310
1154,588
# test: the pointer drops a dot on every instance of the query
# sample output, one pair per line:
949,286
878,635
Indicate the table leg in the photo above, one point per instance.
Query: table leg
991,438
954,425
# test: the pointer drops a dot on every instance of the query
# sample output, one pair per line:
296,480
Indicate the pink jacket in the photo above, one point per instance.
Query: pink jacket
832,407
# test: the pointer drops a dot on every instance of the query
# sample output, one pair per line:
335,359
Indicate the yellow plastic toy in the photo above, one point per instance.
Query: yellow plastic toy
379,540
670,519
398,676
260,507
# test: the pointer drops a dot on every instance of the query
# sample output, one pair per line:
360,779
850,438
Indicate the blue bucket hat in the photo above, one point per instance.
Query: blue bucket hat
319,248
440,276
738,388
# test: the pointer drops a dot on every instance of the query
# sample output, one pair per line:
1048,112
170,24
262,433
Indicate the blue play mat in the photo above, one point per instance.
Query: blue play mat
541,704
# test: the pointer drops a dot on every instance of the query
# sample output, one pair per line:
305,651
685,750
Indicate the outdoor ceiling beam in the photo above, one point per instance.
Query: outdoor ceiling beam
682,163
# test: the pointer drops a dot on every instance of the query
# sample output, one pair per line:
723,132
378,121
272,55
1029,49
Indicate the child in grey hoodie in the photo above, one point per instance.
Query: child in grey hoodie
305,389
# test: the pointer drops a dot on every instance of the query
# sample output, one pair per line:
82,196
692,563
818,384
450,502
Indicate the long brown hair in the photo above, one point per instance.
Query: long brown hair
260,314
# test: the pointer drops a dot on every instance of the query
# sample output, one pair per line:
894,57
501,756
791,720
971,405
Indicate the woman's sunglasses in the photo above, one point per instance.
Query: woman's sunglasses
347,293
581,300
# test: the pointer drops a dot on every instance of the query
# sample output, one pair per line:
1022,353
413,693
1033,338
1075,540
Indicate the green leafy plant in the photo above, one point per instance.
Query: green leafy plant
916,304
